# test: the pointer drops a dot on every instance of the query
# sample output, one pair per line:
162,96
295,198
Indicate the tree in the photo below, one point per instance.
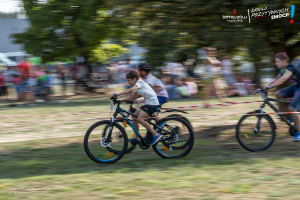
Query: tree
67,29
181,27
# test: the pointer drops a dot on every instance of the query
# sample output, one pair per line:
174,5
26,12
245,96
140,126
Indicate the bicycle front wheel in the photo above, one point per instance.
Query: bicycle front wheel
130,146
103,148
180,140
255,132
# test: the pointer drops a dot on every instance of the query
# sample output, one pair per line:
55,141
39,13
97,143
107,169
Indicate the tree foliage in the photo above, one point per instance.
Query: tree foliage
66,29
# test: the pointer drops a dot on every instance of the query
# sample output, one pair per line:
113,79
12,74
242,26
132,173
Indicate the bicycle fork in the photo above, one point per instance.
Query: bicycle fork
257,128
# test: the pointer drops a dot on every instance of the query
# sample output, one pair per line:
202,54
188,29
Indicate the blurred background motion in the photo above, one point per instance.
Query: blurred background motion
72,47
61,60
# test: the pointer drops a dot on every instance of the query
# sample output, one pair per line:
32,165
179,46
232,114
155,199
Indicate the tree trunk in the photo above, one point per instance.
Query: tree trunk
257,77
87,64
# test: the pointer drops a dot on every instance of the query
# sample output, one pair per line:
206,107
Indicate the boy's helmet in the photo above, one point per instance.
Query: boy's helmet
144,66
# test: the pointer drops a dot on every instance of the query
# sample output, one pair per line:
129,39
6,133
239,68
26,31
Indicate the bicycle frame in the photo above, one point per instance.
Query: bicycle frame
267,101
121,111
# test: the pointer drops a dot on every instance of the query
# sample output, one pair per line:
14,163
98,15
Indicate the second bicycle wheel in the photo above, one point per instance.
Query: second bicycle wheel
255,132
105,149
181,134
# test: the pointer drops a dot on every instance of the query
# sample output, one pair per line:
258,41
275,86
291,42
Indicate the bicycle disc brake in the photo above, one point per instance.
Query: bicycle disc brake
105,142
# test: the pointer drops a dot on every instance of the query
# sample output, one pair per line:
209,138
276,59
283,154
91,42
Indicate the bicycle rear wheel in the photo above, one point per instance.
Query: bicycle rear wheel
255,132
181,146
105,149
179,142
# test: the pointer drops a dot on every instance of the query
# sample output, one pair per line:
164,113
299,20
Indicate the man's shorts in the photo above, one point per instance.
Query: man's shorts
162,100
292,92
150,109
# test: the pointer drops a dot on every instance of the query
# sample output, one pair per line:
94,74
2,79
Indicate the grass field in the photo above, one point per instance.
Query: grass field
48,153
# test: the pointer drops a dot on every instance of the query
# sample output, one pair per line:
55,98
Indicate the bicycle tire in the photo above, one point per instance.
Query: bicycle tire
184,118
254,149
119,154
190,140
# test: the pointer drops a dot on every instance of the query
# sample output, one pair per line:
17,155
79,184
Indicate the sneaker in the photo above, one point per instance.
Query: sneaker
291,119
133,141
156,139
296,137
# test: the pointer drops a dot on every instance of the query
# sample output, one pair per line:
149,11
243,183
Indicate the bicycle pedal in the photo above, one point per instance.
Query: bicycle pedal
168,149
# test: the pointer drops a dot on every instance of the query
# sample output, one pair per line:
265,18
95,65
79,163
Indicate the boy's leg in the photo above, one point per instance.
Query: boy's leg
134,119
285,93
141,120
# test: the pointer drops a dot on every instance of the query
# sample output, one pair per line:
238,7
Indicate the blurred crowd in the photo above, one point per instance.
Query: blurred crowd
29,83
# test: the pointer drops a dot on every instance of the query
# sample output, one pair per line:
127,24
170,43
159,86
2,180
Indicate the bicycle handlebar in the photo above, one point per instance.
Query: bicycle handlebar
263,93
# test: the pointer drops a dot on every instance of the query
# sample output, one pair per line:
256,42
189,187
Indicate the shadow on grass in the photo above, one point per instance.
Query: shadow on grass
26,161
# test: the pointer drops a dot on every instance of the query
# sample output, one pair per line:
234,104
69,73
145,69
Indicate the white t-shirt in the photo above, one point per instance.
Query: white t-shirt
153,81
147,92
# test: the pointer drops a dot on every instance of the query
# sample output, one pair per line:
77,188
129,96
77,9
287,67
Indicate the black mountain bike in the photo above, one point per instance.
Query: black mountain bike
108,145
256,130
149,136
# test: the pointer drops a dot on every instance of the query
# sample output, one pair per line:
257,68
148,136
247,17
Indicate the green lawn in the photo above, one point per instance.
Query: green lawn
48,153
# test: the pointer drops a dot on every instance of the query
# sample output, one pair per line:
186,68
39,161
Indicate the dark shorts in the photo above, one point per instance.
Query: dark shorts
292,92
150,109
162,100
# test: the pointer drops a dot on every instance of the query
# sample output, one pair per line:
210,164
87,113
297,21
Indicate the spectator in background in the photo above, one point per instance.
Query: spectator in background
41,77
183,91
238,89
227,70
171,88
3,87
31,85
24,70
250,86
213,80
17,81
191,86
62,75
75,76
49,82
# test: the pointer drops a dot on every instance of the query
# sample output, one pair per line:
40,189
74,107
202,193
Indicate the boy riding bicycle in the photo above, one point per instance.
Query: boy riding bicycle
292,74
144,70
151,103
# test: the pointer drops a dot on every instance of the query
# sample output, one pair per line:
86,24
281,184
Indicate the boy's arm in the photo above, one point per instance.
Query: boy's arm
132,98
277,77
128,91
282,79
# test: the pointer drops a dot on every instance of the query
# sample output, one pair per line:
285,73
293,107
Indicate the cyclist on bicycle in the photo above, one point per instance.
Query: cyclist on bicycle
292,74
156,84
151,103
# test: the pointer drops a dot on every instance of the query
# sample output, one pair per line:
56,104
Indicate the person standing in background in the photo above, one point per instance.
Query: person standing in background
227,70
24,70
62,75
213,81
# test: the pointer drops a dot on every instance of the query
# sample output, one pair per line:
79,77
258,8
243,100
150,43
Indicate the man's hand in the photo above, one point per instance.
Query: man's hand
268,87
